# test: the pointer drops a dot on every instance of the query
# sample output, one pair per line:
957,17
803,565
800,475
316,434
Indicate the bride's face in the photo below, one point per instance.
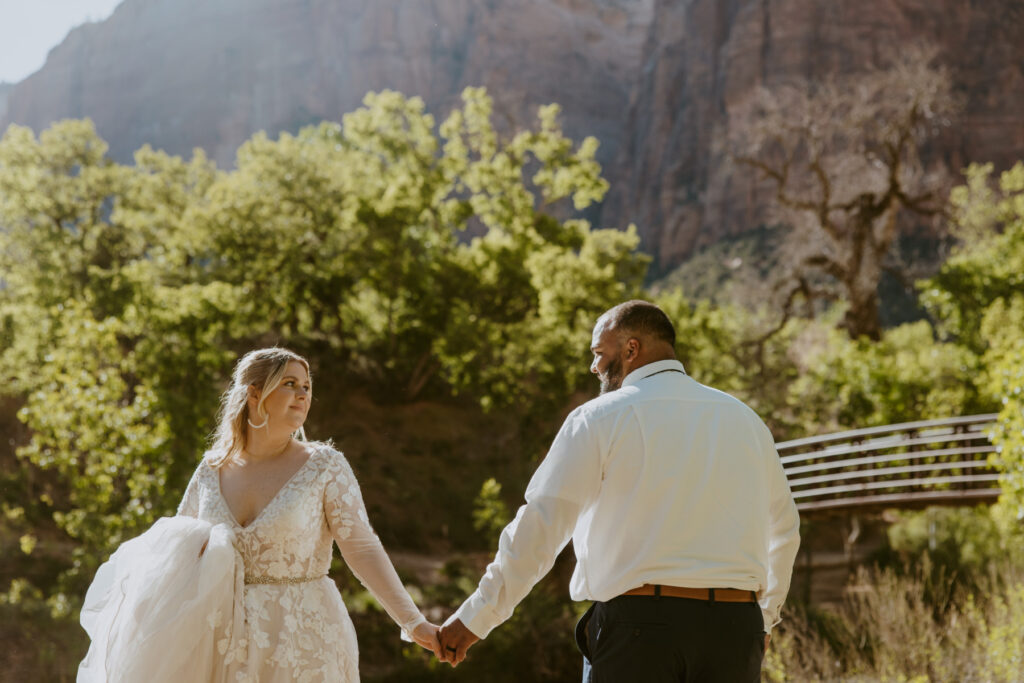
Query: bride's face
288,404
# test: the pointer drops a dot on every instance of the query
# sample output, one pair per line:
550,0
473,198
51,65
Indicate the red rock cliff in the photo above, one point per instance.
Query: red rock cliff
704,57
654,80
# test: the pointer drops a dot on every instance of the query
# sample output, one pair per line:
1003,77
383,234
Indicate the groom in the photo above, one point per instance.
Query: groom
682,521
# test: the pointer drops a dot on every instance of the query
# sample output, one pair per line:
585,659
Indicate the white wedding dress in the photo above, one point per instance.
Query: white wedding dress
256,606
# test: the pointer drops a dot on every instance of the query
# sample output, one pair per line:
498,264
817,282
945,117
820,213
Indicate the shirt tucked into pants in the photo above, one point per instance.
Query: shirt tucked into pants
662,482
670,640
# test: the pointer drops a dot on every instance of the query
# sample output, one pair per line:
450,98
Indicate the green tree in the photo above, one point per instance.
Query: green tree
105,439
89,311
907,375
978,301
354,238
416,259
1003,328
988,262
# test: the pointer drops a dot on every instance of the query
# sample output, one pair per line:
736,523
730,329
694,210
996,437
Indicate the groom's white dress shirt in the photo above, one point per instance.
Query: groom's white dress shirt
663,481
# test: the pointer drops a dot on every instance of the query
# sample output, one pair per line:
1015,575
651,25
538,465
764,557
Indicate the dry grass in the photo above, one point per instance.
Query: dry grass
907,628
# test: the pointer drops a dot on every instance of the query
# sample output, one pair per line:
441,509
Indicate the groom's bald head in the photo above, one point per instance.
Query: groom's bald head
642,320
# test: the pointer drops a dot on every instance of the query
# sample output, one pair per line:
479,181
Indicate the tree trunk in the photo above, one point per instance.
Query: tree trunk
861,318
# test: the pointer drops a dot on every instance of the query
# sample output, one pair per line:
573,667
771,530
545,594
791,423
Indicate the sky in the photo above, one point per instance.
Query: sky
30,28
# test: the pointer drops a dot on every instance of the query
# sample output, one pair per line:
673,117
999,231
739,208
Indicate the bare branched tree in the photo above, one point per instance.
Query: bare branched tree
844,161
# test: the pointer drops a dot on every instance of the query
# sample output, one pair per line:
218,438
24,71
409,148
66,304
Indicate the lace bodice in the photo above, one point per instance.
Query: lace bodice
291,538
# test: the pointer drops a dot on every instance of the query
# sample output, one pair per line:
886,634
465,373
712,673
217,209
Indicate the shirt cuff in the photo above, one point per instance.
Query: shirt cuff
770,619
476,615
409,627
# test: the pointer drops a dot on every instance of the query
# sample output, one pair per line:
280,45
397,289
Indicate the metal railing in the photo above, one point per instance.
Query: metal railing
913,464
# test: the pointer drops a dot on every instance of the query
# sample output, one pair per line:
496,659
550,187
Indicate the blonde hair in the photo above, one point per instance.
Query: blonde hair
263,369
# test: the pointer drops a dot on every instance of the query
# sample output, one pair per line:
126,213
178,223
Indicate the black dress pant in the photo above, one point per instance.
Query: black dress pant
648,639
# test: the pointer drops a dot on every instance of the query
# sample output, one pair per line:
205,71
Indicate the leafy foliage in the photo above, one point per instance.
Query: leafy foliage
421,260
962,543
412,261
905,376
978,298
989,262
490,513
1002,326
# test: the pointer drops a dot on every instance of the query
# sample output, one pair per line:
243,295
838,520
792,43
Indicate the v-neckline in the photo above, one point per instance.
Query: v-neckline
273,499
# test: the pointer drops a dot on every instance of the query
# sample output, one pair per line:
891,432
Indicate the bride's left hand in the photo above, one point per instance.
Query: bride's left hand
425,635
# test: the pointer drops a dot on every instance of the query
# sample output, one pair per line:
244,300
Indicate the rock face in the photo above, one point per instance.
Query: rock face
180,74
654,80
704,57
5,91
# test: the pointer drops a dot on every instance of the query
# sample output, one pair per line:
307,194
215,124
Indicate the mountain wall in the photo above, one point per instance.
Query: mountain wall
654,80
181,74
5,91
705,57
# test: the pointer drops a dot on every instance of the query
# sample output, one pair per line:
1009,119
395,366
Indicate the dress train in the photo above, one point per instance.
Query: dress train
162,609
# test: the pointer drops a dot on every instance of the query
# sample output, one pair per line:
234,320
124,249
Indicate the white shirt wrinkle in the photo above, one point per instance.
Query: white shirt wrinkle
604,480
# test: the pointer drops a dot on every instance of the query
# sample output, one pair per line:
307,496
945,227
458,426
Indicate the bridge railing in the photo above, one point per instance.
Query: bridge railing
912,464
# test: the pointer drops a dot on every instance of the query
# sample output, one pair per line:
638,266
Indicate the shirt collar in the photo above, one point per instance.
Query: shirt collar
651,368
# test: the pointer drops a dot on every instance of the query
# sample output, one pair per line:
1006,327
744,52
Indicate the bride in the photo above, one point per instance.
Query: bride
235,587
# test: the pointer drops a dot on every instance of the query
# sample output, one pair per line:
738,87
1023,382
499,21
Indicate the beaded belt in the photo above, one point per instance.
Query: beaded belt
275,580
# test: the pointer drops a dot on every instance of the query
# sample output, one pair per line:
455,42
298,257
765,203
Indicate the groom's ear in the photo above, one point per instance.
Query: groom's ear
632,348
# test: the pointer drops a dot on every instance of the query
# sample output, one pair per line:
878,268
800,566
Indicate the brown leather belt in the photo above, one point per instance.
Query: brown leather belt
710,594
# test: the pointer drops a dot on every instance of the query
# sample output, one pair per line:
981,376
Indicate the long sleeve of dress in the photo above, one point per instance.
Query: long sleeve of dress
360,547
189,505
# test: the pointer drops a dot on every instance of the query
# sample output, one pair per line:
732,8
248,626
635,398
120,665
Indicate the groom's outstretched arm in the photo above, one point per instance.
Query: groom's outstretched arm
526,551
565,482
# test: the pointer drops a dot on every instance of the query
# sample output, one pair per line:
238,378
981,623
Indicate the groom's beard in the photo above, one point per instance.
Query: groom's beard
612,378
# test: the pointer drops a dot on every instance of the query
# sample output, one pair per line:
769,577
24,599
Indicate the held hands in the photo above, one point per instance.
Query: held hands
425,635
448,643
455,639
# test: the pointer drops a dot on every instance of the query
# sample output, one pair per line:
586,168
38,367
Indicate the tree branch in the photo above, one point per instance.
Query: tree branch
781,178
827,264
